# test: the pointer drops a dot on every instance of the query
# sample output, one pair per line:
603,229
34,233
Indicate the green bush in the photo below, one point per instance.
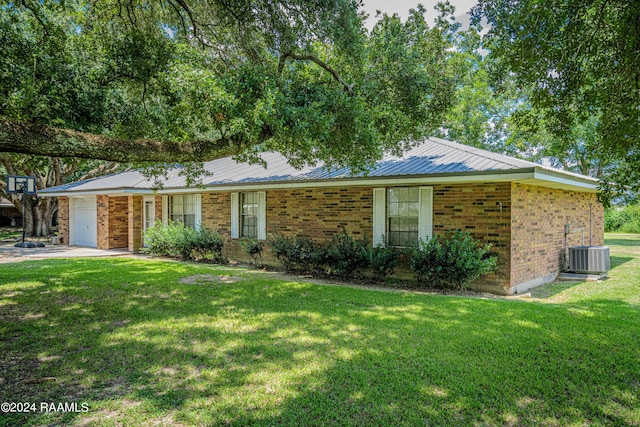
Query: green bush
348,257
253,248
383,261
298,252
450,261
207,244
624,220
177,241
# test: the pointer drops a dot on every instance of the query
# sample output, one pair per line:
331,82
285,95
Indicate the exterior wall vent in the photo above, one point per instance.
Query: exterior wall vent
589,259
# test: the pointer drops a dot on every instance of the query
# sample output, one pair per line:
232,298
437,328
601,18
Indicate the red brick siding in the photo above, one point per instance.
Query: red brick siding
102,215
524,224
158,212
322,212
118,222
134,211
539,216
112,217
63,219
484,211
315,213
481,209
216,212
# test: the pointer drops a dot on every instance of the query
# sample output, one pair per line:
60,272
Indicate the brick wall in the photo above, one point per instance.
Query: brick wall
480,209
112,217
315,213
102,215
321,212
63,219
523,223
484,211
134,211
118,222
539,216
158,211
216,212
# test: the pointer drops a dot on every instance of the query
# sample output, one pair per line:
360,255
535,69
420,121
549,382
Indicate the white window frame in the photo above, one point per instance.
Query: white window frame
380,214
146,219
167,210
236,213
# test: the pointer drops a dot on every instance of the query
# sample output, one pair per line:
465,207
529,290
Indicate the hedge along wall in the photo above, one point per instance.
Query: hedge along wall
523,223
319,213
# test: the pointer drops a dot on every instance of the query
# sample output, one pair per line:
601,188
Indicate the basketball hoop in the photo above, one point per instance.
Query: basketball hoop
23,185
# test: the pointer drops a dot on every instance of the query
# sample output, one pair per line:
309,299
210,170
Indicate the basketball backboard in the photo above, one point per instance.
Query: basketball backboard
21,184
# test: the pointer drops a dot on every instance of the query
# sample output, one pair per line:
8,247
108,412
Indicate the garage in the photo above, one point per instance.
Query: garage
83,221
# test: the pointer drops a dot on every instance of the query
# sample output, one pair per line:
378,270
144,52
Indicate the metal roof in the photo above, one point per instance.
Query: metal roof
434,156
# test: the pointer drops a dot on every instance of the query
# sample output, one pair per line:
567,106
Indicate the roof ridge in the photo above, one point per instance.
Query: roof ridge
481,152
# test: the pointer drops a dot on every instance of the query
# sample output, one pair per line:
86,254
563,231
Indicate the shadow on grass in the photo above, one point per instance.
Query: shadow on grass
629,240
617,261
141,347
552,289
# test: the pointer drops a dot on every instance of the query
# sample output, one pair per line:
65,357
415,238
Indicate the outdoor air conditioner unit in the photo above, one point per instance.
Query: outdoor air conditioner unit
589,259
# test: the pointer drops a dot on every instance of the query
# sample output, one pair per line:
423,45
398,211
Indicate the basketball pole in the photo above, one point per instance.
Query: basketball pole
24,210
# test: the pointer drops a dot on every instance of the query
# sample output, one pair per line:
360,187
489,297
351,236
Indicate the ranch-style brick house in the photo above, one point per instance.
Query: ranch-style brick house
526,211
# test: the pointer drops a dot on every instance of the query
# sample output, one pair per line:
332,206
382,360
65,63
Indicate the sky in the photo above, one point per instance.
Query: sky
401,7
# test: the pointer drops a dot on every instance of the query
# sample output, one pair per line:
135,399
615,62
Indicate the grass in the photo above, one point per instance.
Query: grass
8,233
140,347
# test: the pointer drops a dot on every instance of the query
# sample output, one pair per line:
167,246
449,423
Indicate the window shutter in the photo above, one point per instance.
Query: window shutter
262,215
379,216
165,210
235,216
198,203
425,219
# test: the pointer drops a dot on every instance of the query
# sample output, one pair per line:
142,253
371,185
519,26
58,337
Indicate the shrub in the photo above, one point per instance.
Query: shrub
384,260
253,248
348,257
207,244
157,240
625,219
177,241
298,252
451,260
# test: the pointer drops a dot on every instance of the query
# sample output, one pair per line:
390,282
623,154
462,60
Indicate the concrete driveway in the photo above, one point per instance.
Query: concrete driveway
9,253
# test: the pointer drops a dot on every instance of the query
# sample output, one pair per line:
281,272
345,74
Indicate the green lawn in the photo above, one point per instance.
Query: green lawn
140,348
8,233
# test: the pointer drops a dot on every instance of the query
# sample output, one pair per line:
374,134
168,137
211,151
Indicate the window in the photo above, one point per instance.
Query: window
182,209
249,215
402,216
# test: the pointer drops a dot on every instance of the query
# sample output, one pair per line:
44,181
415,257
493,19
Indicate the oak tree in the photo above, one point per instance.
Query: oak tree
581,61
193,80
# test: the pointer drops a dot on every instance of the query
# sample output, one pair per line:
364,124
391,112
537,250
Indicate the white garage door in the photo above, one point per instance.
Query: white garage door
83,222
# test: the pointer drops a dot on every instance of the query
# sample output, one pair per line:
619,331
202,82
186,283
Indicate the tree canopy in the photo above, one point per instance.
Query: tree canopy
194,80
581,61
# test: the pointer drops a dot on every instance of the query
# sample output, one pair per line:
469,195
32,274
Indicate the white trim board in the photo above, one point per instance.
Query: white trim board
538,177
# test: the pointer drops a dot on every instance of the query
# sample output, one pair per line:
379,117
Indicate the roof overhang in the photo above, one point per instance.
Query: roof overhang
532,176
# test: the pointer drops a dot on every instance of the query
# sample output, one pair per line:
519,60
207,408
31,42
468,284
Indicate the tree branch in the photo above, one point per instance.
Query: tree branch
38,18
103,169
38,139
317,61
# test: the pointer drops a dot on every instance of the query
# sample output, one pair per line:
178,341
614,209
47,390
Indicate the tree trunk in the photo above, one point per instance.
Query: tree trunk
38,218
